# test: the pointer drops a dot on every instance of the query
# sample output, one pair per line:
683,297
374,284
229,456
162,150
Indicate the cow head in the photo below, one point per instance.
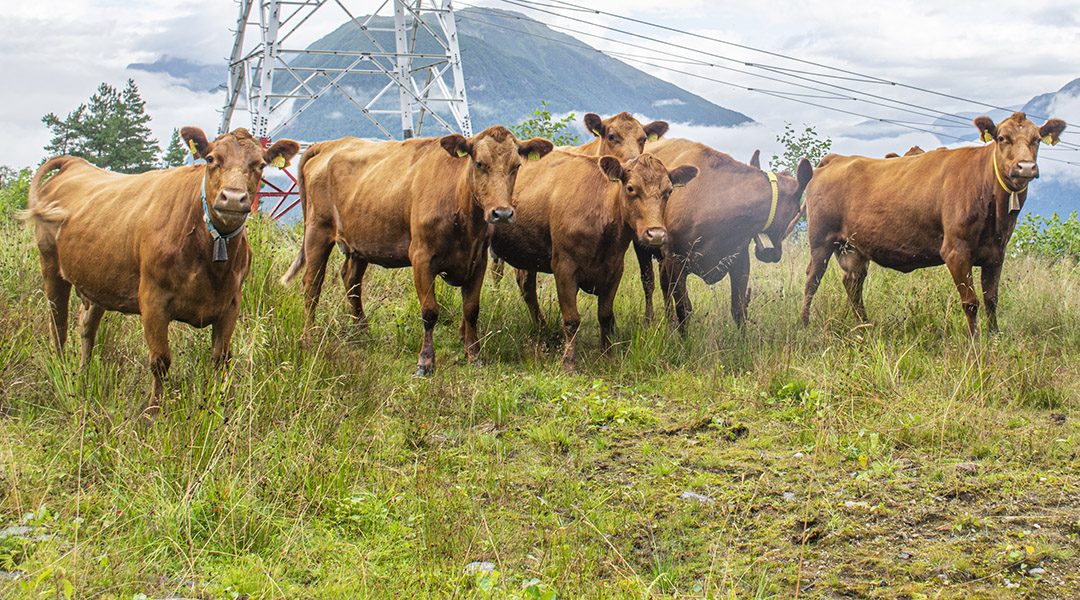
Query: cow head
646,186
788,211
495,156
1016,141
623,136
234,166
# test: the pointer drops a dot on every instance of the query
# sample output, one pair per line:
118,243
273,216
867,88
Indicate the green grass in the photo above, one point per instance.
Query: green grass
921,465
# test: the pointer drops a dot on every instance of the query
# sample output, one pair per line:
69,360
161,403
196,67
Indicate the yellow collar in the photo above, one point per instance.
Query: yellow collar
775,198
998,175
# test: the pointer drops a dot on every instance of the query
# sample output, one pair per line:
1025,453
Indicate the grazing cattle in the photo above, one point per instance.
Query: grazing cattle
621,136
427,203
574,222
711,222
954,207
166,245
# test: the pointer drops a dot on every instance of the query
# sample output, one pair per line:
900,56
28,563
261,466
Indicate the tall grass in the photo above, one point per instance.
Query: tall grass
324,469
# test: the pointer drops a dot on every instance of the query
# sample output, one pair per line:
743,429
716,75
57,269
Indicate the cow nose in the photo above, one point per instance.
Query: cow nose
1026,170
234,197
501,215
655,236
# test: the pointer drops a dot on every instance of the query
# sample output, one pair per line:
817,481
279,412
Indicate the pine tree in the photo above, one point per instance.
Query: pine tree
176,153
110,131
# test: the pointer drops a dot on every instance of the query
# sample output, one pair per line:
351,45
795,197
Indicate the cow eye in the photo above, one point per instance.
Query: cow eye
611,136
629,189
1001,139
481,166
210,159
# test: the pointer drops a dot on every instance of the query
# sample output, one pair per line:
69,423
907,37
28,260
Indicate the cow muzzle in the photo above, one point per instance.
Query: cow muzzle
501,215
1025,170
233,201
654,237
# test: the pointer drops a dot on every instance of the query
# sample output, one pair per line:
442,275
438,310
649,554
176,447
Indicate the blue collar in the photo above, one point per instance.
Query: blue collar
221,252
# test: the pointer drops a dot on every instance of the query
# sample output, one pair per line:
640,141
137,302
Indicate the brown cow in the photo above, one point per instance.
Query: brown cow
572,221
417,203
151,244
621,136
954,207
711,222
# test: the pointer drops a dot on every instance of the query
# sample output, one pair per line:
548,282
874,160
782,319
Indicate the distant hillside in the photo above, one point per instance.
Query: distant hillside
508,71
195,77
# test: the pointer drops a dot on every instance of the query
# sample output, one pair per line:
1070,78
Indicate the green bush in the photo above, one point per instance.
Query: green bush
1048,237
14,189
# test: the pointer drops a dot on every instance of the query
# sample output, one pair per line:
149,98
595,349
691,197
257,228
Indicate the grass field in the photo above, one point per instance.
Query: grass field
892,461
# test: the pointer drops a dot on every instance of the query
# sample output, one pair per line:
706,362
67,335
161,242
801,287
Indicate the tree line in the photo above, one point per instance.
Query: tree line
111,131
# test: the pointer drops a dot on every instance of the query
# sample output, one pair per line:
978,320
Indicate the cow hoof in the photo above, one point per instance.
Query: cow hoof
425,370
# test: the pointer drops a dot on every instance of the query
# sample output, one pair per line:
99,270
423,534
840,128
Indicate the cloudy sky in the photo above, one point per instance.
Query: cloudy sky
56,52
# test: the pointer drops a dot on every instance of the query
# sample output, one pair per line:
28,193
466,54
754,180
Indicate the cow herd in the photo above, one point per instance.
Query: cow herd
170,246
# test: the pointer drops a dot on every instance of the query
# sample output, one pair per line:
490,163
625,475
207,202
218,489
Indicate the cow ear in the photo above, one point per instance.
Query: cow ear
805,172
656,130
196,141
456,145
612,168
680,176
892,155
755,160
281,153
987,129
594,124
1052,130
535,149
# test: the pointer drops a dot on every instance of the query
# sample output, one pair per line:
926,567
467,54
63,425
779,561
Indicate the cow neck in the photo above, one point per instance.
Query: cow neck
469,204
763,239
1014,195
221,250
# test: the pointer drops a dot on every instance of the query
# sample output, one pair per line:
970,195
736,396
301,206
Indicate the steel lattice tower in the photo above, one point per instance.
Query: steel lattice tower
261,56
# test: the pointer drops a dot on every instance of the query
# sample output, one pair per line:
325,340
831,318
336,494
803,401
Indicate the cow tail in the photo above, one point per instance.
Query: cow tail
298,264
50,216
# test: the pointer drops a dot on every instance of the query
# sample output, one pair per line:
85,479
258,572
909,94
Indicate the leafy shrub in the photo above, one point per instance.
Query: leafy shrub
542,124
14,189
1048,237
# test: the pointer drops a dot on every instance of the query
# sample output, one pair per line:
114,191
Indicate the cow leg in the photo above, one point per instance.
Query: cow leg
497,265
854,265
567,288
424,280
667,289
605,308
991,277
959,265
89,320
156,330
221,334
527,284
58,291
739,272
683,306
470,309
318,244
648,283
819,261
352,275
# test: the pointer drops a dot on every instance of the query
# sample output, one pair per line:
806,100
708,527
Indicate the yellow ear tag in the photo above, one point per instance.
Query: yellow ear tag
1048,139
461,153
596,133
279,162
986,137
194,150
534,155
653,137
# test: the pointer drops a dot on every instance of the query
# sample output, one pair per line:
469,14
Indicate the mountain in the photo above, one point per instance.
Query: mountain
509,68
195,77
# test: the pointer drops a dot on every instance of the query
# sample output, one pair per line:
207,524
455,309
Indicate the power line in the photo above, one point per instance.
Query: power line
778,70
